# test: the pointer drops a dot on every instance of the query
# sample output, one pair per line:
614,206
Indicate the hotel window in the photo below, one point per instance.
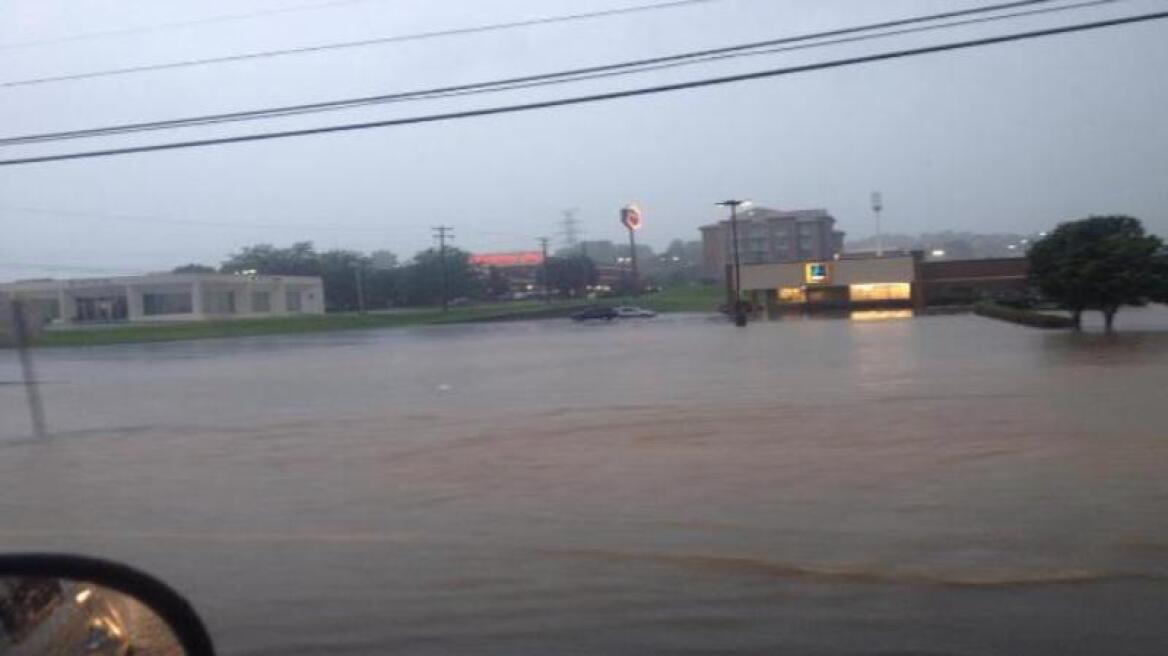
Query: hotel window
883,291
792,295
261,302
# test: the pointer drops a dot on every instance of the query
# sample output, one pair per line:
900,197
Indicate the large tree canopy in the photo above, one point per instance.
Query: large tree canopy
568,275
343,273
423,278
1098,263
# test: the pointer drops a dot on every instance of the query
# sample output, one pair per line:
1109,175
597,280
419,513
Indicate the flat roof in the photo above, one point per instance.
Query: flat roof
150,278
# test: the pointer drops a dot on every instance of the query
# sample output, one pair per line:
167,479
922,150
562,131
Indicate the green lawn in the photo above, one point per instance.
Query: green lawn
683,298
678,299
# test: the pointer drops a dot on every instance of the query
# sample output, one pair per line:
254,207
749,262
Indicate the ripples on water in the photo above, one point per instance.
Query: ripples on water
932,485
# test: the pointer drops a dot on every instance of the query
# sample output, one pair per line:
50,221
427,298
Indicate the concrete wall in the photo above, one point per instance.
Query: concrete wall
202,289
843,272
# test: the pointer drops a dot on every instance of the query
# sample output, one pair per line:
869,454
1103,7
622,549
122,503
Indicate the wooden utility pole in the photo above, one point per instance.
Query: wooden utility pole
543,244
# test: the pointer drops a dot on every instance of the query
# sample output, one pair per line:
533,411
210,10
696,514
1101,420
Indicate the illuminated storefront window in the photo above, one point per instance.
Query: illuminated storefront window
883,291
792,295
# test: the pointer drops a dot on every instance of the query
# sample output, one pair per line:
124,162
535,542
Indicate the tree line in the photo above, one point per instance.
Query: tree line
1100,263
377,280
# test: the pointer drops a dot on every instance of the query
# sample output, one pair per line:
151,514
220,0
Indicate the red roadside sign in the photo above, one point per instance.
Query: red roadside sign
630,216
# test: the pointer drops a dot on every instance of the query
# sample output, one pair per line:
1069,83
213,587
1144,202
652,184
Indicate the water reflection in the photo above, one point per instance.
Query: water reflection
880,315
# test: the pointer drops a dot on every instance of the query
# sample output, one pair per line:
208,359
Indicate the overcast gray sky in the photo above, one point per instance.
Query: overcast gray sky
1007,138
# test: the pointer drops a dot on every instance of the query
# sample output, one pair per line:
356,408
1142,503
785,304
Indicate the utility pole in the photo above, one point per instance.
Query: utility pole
442,233
359,275
20,334
877,207
543,244
739,313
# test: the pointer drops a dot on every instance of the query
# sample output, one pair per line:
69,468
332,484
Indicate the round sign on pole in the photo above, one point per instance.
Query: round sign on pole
630,216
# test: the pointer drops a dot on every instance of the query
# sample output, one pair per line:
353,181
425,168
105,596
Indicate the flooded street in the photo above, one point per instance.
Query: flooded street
938,485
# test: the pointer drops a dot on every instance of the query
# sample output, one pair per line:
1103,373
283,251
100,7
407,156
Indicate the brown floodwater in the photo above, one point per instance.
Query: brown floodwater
937,485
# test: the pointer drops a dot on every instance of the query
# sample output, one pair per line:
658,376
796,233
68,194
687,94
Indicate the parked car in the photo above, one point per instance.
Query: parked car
605,313
633,312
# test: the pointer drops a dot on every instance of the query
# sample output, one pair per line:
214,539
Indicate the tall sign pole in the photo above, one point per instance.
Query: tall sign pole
630,216
739,311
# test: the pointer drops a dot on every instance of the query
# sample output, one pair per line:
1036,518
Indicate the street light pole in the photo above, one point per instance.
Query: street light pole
739,312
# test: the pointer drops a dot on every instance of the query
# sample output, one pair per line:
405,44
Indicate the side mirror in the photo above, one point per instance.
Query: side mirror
59,604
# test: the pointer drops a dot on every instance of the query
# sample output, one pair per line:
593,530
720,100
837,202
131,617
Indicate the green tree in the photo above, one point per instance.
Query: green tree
1160,293
421,282
300,259
1098,263
193,268
338,270
569,275
498,284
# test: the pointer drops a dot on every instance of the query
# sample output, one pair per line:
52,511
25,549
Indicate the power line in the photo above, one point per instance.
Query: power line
572,75
612,95
400,38
570,228
155,220
178,24
130,218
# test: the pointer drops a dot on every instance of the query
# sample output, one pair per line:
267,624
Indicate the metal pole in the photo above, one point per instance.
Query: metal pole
20,332
739,311
633,261
737,260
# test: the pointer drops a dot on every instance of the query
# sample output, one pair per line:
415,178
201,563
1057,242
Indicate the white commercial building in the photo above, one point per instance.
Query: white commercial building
169,297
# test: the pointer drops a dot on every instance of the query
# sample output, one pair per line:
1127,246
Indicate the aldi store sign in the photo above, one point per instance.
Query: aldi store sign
817,273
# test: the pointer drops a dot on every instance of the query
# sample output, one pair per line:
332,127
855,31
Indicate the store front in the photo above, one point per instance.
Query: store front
847,283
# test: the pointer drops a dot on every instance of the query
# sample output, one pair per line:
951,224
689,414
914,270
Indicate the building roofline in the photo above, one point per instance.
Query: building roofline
157,278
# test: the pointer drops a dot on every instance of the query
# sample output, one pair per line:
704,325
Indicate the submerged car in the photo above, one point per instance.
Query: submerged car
605,313
633,312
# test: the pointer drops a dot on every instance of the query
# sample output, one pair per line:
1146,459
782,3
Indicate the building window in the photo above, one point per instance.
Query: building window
293,301
883,291
219,302
261,302
176,303
792,295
